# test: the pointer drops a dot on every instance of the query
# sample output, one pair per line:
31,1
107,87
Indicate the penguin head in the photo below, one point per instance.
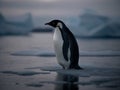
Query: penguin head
55,23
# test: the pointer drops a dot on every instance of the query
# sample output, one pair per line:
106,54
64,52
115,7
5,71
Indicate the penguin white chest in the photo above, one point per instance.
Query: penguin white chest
58,46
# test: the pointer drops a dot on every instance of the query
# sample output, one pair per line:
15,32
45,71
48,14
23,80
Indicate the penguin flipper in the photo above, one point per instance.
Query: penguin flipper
65,44
65,49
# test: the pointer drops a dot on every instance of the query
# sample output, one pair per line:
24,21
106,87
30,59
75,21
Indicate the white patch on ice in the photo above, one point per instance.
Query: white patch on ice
51,68
35,52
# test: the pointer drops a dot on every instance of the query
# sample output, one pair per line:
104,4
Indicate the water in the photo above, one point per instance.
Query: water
34,72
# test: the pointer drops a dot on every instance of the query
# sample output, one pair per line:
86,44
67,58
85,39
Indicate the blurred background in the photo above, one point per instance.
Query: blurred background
85,18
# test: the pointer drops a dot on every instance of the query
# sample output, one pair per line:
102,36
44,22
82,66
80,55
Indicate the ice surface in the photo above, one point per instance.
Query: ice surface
24,73
99,76
34,85
41,83
48,53
32,73
102,77
102,82
35,52
20,25
100,53
111,84
86,72
53,82
50,68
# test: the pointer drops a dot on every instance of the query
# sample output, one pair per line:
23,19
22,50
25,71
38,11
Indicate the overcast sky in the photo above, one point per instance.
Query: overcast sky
59,7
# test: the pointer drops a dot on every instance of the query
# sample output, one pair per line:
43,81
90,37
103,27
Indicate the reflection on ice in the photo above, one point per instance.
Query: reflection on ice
71,79
70,82
102,77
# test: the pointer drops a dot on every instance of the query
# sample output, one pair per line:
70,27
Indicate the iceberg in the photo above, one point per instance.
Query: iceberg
18,25
93,25
24,73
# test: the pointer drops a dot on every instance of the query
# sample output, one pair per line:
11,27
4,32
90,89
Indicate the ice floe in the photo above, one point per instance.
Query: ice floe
48,53
24,73
43,53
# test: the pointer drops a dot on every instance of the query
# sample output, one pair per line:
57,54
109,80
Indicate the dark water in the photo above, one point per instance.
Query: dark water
22,67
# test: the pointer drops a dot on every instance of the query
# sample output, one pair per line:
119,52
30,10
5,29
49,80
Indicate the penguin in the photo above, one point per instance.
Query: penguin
65,45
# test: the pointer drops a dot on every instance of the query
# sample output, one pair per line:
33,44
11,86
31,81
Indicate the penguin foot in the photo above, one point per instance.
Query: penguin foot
76,67
80,68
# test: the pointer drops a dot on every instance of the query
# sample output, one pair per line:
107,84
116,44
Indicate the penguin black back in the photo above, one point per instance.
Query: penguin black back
74,49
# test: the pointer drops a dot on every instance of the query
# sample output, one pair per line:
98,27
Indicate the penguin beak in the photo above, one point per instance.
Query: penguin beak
46,23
